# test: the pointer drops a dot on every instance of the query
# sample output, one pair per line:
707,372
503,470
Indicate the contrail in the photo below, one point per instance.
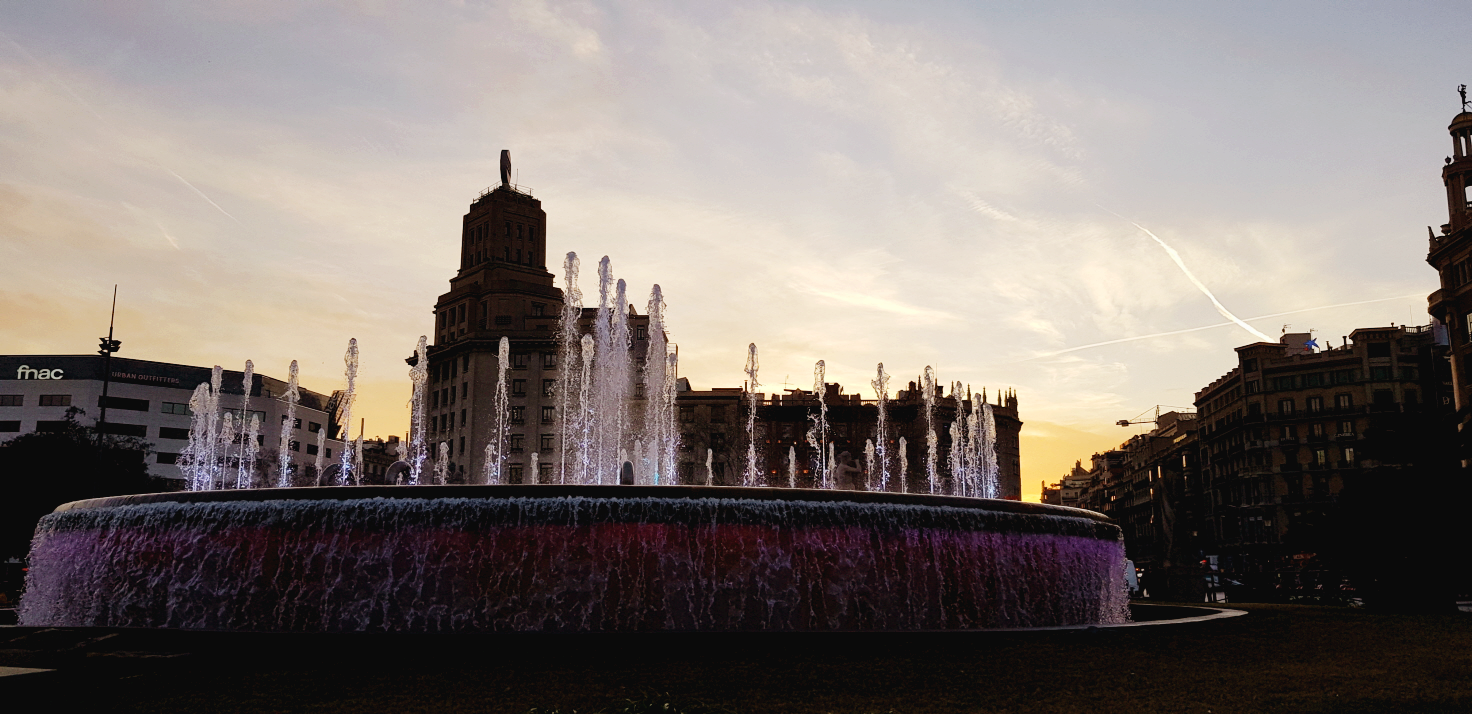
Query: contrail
1208,327
1200,286
201,193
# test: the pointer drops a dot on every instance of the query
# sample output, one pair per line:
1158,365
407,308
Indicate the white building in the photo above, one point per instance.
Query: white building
150,400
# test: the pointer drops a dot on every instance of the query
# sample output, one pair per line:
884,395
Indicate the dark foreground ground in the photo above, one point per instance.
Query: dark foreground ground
1279,658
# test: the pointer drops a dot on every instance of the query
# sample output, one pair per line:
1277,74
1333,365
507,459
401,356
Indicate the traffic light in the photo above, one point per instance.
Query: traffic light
107,346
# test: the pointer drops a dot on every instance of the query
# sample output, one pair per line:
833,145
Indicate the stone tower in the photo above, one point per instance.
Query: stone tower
1451,255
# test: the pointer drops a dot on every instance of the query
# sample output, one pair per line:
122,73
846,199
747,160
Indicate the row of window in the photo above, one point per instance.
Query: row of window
515,443
446,421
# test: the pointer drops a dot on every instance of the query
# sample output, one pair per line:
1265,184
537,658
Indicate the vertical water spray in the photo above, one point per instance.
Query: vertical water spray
248,452
586,409
321,449
442,464
242,477
881,392
570,379
987,445
620,380
533,471
670,450
710,473
904,467
931,442
752,366
828,481
953,458
494,469
350,362
291,397
419,377
818,435
196,454
226,436
659,418
868,463
792,467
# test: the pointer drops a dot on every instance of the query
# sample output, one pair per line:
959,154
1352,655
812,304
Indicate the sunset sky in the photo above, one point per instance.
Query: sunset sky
951,184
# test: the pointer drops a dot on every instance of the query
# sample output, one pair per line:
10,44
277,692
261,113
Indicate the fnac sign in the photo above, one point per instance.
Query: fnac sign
26,372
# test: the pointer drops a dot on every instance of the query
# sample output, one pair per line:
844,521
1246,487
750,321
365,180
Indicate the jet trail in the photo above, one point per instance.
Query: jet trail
1208,327
201,193
1200,286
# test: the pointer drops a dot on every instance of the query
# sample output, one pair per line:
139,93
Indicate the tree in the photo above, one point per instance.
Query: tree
42,470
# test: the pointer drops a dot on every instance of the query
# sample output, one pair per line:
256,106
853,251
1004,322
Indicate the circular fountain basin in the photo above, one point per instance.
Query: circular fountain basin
569,559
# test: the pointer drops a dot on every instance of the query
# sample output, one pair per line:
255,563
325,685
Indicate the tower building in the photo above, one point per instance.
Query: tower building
1451,254
502,289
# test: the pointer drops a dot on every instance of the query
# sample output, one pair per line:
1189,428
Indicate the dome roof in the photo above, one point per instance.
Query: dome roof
1461,120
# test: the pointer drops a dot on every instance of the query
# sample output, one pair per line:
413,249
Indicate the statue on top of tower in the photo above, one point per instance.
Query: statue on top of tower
1462,90
506,168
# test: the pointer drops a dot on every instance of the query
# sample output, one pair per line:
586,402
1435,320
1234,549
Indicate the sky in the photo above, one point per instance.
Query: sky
967,185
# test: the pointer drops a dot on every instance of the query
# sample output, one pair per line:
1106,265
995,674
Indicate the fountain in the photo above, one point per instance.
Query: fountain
581,553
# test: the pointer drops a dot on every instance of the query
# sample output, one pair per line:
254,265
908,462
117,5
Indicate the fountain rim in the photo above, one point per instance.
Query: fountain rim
611,492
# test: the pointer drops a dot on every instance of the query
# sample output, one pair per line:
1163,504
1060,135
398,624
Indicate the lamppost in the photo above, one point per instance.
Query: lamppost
108,346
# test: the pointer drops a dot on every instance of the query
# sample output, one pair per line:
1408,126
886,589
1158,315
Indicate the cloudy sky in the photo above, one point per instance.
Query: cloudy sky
951,184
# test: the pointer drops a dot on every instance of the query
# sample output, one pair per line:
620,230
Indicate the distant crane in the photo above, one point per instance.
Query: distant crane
1155,420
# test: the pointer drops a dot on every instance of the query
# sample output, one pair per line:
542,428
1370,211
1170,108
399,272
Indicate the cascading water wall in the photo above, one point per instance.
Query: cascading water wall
496,447
904,467
817,435
345,409
881,393
291,397
752,366
242,472
570,379
585,410
931,442
419,377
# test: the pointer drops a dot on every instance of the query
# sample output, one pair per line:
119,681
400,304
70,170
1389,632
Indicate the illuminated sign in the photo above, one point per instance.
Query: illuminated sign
25,372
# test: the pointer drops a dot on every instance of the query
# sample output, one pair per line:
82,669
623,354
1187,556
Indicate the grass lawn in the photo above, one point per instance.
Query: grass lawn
1279,658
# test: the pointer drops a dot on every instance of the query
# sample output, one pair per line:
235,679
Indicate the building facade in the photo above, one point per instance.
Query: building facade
150,400
1450,252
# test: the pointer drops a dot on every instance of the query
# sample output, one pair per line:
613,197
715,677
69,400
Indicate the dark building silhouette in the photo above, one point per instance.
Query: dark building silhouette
1451,254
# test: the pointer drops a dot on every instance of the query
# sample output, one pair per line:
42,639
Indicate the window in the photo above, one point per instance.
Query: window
1317,379
1343,376
460,311
539,309
687,414
503,319
519,360
464,390
168,432
1316,430
1290,432
123,429
1285,406
328,454
56,400
1349,454
1249,364
1378,349
1314,404
1380,374
12,400
294,445
132,405
314,427
514,473
518,387
1408,373
1346,428
687,441
547,442
1384,398
518,415
434,399
296,423
549,360
1281,383
549,415
164,458
518,443
1253,387
462,420
549,387
718,442
641,332
544,471
462,446
9,426
311,449
1343,401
